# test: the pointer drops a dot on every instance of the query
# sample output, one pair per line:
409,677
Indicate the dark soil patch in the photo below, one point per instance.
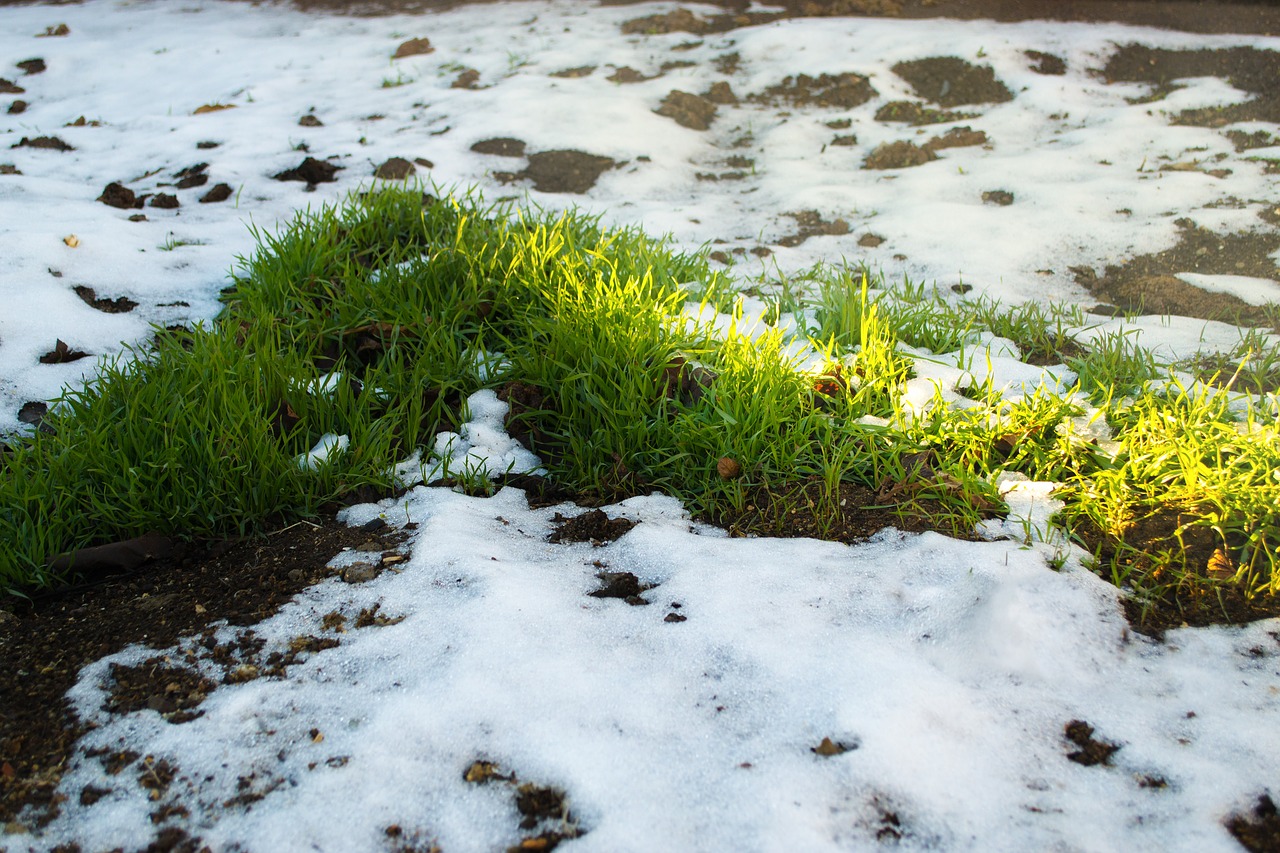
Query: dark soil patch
119,305
8,88
1003,198
1246,68
1046,63
311,172
688,110
957,137
1146,284
594,526
574,73
1090,751
216,193
1244,141
813,225
951,82
175,692
164,201
52,143
32,66
561,171
1258,831
395,169
119,196
898,155
916,114
622,585
48,639
503,146
845,91
684,21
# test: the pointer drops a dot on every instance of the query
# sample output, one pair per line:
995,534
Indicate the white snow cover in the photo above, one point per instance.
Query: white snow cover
947,669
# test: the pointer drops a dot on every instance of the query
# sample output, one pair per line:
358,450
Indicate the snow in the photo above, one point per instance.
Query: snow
953,667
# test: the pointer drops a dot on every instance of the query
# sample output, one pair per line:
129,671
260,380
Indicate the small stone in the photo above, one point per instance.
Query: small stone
359,573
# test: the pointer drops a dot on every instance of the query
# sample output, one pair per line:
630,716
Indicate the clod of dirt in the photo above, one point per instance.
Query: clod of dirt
844,141
689,110
174,692
1245,141
192,176
1091,751
1249,69
413,47
62,354
311,171
870,241
626,74
685,381
1258,832
51,142
164,201
829,747
18,107
395,169
721,93
1000,197
574,73
846,91
957,137
207,145
54,32
32,66
357,573
118,195
9,169
728,468
593,526
951,82
466,79
119,305
622,585
218,192
562,171
1046,63
812,225
898,155
675,618
537,802
479,772
309,120
8,88
503,146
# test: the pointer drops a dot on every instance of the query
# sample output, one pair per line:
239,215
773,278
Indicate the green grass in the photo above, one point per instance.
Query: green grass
395,293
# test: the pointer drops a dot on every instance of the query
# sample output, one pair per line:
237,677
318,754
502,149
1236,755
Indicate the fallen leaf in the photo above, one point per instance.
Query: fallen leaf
1220,566
71,240
212,108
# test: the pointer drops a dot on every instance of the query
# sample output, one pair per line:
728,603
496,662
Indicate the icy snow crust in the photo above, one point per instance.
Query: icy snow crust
951,667
1080,160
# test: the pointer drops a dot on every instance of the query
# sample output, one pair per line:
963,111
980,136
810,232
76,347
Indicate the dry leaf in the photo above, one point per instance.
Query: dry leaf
212,108
71,240
728,468
1220,566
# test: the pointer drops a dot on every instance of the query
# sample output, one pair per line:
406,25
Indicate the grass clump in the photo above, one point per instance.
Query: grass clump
630,367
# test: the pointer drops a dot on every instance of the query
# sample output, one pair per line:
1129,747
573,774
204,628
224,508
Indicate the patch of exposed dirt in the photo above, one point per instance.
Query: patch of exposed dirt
311,172
1089,751
593,526
119,305
1259,830
1147,284
503,146
685,21
688,110
561,171
902,154
1246,68
952,82
812,224
845,91
1046,63
49,638
916,114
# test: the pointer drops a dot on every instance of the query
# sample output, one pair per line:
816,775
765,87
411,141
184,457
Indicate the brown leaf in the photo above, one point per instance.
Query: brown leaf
1220,566
728,468
212,108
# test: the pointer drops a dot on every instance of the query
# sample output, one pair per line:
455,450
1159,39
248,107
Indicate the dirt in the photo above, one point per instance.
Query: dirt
1146,284
1245,68
688,110
812,224
843,91
950,81
311,172
563,171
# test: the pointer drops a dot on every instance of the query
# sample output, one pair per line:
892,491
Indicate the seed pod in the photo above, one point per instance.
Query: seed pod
728,468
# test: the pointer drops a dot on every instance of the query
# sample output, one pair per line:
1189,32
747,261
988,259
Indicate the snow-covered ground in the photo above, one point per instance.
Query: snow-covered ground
943,673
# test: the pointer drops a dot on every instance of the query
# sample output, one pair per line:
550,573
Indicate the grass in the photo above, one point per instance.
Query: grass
645,370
